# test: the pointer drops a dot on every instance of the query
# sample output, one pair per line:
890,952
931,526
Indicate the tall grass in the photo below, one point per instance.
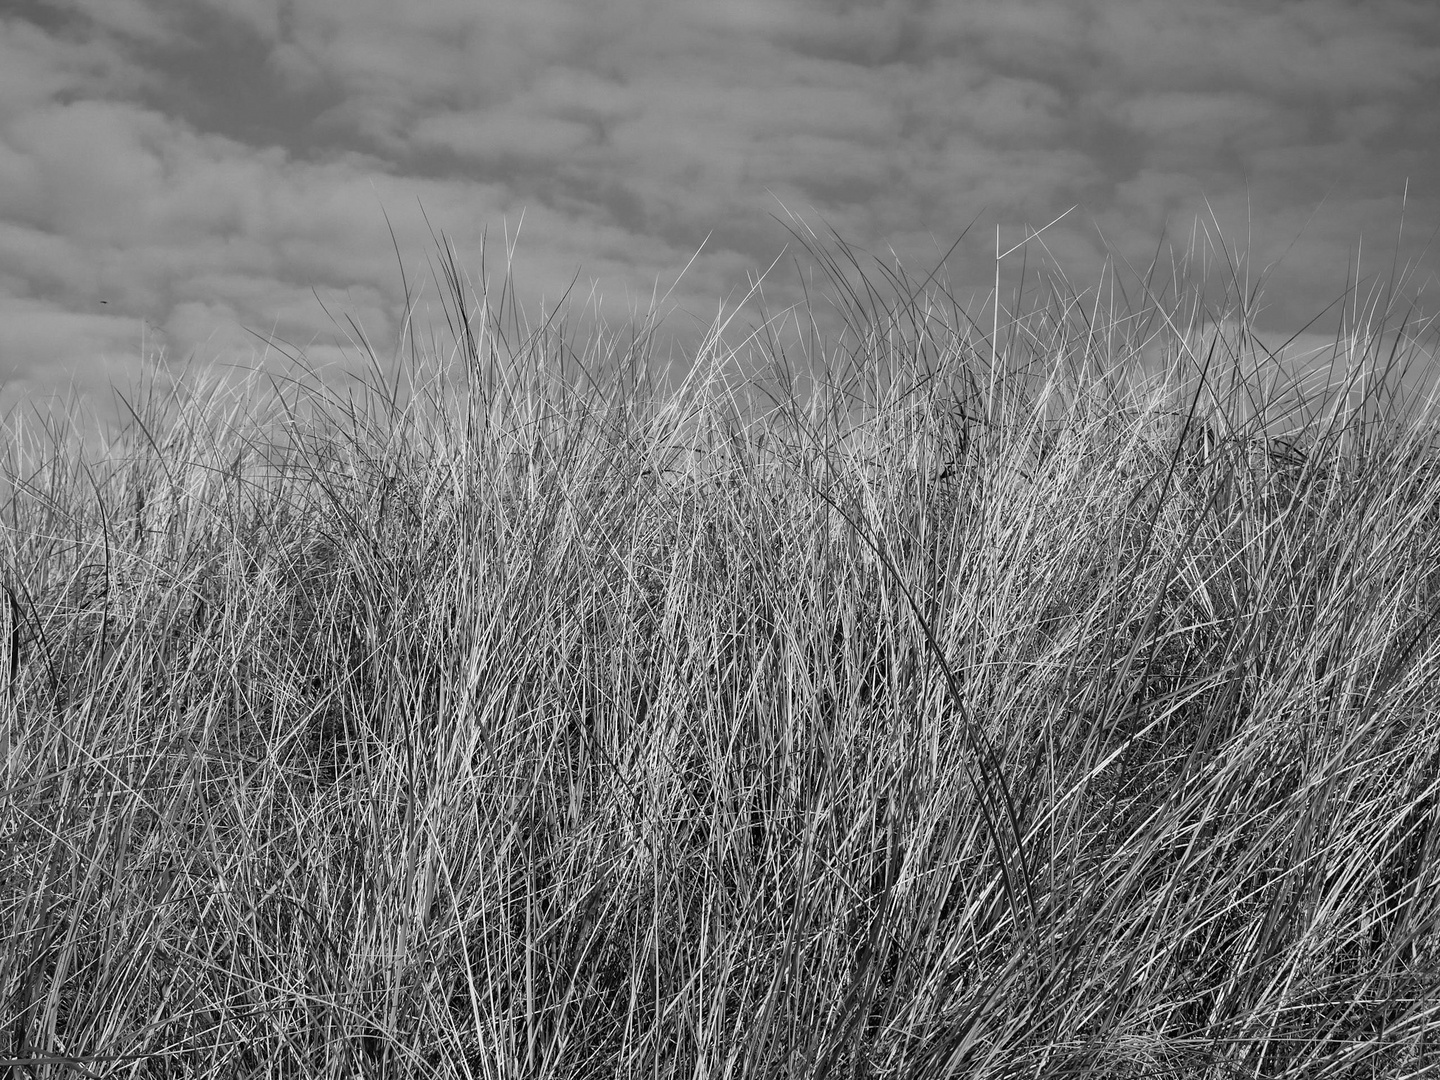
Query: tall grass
927,703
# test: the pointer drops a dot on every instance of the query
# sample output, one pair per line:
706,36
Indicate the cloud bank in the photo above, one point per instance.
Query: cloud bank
190,178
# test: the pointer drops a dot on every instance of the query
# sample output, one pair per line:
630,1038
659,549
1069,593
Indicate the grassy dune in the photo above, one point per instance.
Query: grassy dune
948,700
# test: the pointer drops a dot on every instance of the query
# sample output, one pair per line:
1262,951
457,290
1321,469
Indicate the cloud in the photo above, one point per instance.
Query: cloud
131,20
204,167
1324,49
38,336
1179,123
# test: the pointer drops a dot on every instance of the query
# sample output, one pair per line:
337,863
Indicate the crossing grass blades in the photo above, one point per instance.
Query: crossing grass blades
910,701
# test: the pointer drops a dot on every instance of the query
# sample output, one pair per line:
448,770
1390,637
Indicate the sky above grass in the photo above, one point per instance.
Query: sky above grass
184,175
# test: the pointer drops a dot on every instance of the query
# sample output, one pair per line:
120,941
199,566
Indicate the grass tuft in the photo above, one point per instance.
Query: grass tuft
929,703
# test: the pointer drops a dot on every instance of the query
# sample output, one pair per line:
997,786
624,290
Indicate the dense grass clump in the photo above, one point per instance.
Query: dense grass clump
950,700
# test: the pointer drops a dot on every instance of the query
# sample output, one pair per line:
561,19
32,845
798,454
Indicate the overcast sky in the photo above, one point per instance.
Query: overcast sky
177,173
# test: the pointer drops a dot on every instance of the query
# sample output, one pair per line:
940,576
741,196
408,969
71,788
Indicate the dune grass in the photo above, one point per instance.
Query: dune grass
933,702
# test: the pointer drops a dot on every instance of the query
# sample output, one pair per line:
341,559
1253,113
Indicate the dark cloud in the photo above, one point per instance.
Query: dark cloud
203,166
